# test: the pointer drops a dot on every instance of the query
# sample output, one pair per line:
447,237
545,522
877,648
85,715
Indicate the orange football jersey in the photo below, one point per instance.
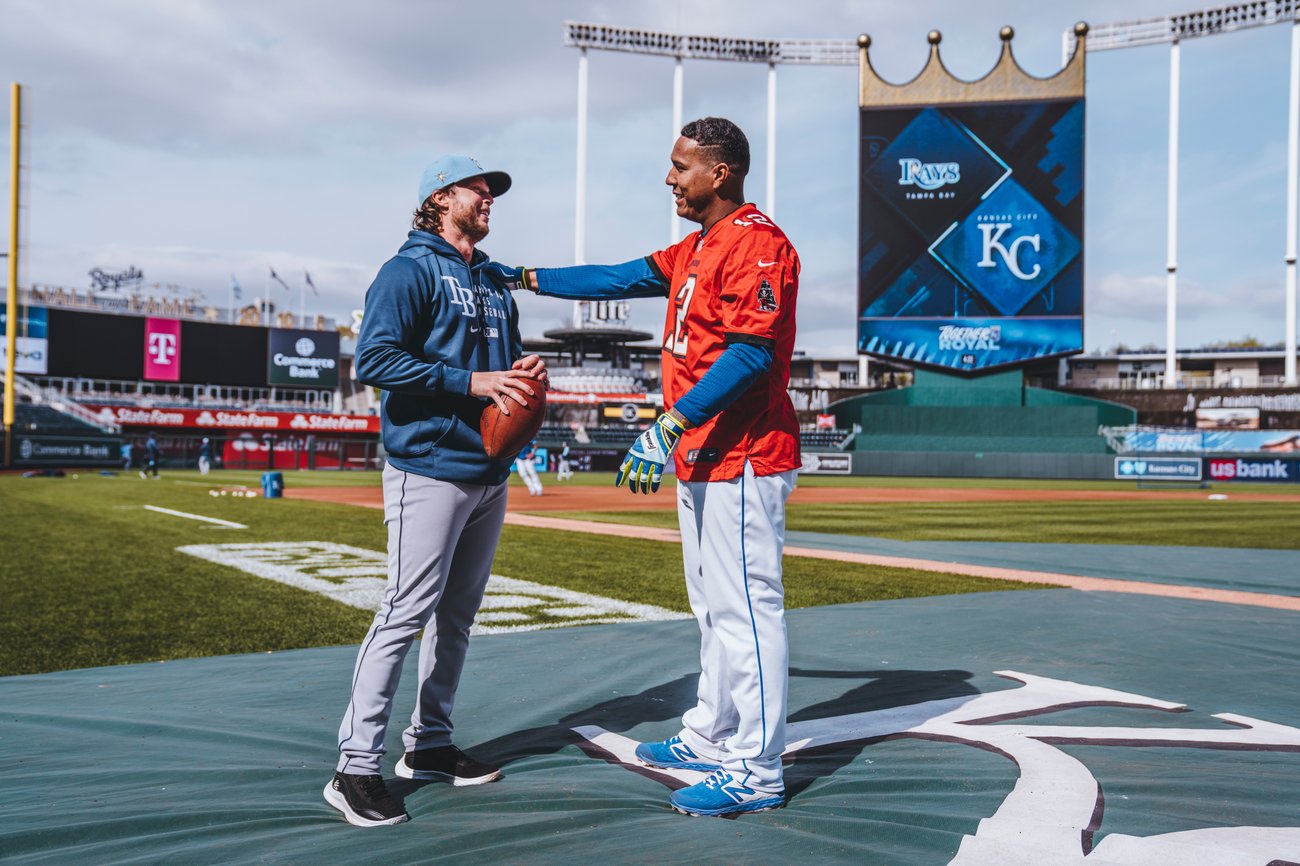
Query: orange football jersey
737,283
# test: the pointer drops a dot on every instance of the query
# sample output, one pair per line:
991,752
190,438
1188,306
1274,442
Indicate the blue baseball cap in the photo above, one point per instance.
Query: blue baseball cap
453,168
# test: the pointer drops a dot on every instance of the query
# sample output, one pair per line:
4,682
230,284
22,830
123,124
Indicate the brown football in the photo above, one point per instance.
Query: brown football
506,435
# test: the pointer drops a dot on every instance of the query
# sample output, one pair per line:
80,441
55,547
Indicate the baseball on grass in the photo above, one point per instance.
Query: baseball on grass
506,435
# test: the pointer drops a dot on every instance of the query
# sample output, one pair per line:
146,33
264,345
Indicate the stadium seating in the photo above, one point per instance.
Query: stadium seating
32,418
822,438
584,380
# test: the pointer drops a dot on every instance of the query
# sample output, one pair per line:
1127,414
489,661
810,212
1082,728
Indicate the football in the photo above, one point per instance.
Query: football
506,435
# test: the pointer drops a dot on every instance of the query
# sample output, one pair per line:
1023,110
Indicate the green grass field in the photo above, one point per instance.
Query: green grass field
1194,523
90,577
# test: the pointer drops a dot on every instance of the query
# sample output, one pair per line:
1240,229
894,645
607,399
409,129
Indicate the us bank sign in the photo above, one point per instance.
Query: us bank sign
970,249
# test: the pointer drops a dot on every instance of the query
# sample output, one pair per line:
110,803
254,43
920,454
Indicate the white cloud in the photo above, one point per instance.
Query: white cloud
193,138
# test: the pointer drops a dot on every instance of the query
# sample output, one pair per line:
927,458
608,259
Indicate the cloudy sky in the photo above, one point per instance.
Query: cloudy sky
195,139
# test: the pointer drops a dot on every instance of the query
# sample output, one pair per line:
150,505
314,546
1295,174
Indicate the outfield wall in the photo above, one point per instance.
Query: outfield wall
990,426
950,464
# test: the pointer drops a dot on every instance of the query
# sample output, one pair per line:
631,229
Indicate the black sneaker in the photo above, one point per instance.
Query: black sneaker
445,764
364,800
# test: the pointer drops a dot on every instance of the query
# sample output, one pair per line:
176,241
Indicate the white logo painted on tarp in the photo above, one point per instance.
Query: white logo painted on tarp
357,577
1055,808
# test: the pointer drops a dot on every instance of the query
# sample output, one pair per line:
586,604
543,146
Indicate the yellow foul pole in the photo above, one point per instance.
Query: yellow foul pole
11,299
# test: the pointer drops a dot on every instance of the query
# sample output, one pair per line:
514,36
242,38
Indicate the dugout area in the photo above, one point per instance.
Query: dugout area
222,760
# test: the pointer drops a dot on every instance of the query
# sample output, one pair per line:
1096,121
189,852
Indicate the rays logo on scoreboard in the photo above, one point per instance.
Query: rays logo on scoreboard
928,175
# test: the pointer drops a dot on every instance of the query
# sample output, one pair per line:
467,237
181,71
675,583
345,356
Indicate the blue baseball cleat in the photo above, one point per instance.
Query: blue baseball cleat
722,794
673,754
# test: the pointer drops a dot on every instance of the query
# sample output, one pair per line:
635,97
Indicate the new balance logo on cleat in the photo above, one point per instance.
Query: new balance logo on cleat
736,791
672,754
723,794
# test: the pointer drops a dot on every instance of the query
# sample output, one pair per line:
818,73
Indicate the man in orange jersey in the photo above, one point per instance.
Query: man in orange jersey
732,433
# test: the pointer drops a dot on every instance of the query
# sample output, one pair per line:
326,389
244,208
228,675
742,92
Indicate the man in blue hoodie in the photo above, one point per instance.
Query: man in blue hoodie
440,341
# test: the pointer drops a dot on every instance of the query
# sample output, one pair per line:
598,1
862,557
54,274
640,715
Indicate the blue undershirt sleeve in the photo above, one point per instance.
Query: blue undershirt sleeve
635,279
730,376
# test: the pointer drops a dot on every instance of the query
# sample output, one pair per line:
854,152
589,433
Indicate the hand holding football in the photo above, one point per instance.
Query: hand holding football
506,435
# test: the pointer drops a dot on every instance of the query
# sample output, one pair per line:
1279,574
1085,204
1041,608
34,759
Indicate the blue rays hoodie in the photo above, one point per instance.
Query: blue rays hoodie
431,320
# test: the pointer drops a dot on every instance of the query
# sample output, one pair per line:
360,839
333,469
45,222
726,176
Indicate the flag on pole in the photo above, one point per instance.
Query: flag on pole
310,284
276,277
235,288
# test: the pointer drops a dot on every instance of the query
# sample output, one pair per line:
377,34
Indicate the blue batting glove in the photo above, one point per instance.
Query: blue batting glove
509,279
643,466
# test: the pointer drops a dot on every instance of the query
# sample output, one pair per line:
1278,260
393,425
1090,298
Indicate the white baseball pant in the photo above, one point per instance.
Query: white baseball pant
442,536
732,536
528,471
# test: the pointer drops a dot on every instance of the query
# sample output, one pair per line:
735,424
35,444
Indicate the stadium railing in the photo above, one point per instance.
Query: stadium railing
38,395
148,395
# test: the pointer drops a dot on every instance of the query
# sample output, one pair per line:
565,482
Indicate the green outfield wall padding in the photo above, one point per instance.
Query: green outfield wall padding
983,464
992,413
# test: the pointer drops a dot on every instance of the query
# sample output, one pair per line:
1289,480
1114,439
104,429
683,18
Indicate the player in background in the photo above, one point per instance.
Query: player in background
152,456
439,341
205,456
564,471
732,433
526,466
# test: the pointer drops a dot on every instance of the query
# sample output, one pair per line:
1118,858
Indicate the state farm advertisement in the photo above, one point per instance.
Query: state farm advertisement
229,419
162,350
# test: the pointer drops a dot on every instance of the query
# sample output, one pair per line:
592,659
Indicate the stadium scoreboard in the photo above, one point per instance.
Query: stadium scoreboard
970,253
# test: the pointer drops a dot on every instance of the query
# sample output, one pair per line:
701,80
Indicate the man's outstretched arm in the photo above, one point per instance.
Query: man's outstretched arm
639,278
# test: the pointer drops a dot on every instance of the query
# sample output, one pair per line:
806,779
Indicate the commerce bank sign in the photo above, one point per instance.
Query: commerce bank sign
302,358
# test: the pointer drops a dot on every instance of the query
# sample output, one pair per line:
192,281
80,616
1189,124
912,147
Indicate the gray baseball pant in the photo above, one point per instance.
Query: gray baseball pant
441,539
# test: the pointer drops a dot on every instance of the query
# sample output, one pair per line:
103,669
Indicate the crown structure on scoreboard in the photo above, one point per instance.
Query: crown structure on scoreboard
1006,82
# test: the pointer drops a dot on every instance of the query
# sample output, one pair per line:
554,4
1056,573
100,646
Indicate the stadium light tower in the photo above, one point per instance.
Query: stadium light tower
806,52
1171,30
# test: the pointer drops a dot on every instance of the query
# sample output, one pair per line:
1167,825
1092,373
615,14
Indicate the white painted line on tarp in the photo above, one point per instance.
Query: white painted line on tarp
215,520
358,577
1056,798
